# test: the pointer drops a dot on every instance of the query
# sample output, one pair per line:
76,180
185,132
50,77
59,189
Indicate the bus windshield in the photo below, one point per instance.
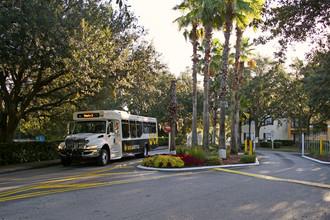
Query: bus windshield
89,127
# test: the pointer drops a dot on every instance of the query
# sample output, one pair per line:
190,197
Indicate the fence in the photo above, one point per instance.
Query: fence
315,147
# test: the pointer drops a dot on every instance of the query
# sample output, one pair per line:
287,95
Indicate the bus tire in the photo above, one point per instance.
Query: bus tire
144,153
65,161
103,158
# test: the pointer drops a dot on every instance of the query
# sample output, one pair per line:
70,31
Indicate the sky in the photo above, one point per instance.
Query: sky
157,17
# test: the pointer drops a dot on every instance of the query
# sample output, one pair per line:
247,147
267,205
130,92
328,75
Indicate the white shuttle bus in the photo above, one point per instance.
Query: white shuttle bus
108,135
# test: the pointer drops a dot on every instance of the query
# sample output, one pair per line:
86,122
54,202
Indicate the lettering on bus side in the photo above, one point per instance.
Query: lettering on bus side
153,139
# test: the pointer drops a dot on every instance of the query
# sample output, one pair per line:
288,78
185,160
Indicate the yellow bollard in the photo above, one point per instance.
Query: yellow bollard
250,152
245,145
321,147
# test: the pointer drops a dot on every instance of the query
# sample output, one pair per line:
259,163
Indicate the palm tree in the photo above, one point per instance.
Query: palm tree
212,17
242,18
184,21
217,49
224,72
241,10
208,12
246,53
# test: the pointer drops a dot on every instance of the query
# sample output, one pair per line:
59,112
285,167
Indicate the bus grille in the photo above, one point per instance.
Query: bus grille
75,144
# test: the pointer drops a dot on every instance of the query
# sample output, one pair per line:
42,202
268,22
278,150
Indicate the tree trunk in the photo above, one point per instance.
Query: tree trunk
238,107
214,120
206,112
233,104
172,114
224,74
9,119
257,129
194,76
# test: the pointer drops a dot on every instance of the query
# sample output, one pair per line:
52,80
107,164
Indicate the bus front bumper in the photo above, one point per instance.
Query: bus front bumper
79,154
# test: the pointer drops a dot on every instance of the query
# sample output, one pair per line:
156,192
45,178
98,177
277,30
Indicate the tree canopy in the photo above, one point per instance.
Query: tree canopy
296,21
57,52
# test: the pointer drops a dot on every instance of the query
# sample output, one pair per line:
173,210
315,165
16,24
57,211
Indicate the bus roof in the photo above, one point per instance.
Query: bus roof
109,114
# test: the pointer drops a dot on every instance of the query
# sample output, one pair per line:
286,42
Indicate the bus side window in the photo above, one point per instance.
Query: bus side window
125,129
132,129
111,127
139,128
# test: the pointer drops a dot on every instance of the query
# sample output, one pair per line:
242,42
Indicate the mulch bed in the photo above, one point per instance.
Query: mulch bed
322,158
231,159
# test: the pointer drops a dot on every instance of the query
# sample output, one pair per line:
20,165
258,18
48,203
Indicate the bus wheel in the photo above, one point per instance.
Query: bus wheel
103,158
145,152
65,161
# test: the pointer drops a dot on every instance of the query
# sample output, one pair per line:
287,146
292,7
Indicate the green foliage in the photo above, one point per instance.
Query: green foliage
163,161
277,144
213,160
181,150
197,152
286,142
162,141
248,153
291,21
248,158
23,152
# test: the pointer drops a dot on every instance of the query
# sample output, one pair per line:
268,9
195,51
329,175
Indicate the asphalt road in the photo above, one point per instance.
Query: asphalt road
283,186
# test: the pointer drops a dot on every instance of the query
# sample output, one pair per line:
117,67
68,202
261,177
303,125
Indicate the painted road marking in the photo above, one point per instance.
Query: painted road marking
321,185
94,173
7,196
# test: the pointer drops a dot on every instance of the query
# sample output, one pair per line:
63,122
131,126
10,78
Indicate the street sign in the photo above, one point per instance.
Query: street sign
167,127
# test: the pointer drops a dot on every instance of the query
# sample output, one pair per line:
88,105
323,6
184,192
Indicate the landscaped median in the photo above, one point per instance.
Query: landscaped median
195,158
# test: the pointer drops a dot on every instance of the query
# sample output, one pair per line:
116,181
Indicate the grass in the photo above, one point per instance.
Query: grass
285,148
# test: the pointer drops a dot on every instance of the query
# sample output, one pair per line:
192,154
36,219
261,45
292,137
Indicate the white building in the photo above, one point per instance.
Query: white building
279,127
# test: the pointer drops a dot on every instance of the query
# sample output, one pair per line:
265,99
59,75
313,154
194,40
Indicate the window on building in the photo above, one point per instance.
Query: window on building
269,121
267,136
294,123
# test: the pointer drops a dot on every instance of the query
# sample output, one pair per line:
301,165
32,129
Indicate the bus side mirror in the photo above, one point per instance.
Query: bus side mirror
116,127
69,128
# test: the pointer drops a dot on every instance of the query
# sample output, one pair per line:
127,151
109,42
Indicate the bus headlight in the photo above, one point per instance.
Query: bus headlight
60,147
91,147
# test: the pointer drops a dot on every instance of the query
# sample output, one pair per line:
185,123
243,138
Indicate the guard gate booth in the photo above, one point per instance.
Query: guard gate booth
104,135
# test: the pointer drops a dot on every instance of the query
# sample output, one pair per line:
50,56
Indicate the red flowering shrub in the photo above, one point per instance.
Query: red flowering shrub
188,160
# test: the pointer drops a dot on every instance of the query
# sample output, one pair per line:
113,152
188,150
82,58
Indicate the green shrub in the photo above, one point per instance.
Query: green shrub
277,144
286,142
163,161
181,150
266,144
248,158
22,152
197,152
162,141
213,160
247,153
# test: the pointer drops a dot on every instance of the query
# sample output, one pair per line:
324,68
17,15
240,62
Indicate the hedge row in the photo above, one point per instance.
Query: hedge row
23,152
277,144
163,141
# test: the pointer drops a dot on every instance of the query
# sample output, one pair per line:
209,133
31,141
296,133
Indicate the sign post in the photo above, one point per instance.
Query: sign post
167,128
272,138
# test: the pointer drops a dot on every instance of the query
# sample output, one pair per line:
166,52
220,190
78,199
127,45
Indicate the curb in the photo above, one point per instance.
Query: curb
198,168
316,160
